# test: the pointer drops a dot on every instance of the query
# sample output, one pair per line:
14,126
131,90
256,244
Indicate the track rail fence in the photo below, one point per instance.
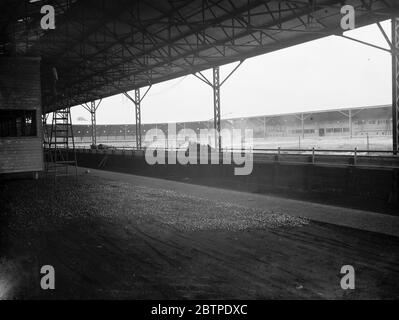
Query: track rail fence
326,157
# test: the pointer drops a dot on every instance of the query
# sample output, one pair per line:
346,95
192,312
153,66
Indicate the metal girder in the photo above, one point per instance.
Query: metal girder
137,107
395,84
138,118
216,108
394,50
366,43
102,48
93,123
302,118
92,108
216,84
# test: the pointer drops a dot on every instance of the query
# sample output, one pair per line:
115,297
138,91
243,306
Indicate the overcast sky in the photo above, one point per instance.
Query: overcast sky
329,73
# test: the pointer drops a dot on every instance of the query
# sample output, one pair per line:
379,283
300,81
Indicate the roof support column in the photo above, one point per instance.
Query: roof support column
92,108
216,85
395,84
350,123
394,50
264,127
93,123
216,108
138,118
137,104
302,118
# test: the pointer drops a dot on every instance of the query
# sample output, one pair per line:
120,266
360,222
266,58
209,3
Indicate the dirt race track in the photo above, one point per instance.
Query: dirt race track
112,239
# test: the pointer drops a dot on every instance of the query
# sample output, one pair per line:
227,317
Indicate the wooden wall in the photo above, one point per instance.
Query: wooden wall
20,90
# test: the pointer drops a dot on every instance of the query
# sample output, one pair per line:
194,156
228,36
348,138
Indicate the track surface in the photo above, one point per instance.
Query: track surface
112,239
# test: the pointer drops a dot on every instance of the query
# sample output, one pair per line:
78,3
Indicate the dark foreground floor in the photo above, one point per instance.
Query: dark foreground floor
112,239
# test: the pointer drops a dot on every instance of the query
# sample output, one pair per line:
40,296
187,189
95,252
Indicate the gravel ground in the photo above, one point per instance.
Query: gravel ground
113,239
109,199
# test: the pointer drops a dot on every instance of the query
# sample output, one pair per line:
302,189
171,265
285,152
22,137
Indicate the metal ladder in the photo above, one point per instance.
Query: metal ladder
46,141
61,145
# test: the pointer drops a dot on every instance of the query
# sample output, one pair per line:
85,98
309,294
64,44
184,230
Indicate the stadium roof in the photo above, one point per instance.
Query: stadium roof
102,47
375,109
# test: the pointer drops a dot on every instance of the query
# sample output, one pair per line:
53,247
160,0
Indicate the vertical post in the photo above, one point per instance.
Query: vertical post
264,127
216,100
368,142
93,123
137,103
395,84
355,157
138,118
350,122
303,125
313,157
216,108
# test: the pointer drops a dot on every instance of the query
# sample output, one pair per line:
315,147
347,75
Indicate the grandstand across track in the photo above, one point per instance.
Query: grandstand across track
373,123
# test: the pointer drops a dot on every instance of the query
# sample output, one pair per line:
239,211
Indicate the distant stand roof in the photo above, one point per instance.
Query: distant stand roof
378,110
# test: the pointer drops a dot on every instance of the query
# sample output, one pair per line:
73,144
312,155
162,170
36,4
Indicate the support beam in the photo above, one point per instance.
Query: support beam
216,108
138,118
264,127
216,85
137,104
92,108
366,43
394,50
350,114
395,84
302,118
350,123
93,123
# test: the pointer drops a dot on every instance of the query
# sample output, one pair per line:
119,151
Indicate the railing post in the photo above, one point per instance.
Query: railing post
313,155
355,157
